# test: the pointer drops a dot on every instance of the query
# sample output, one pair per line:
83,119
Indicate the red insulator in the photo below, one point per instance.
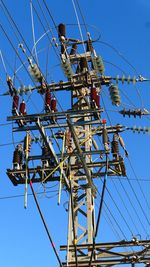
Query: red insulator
53,104
73,49
97,101
48,97
22,108
83,64
61,30
93,94
63,49
15,102
17,156
89,47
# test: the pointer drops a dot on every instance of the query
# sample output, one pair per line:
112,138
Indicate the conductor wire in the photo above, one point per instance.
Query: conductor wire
45,225
33,31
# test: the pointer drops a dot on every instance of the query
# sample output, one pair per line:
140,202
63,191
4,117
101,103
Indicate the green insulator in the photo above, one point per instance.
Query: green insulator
114,95
66,66
100,64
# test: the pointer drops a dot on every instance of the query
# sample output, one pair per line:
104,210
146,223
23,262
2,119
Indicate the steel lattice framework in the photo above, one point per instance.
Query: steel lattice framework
75,167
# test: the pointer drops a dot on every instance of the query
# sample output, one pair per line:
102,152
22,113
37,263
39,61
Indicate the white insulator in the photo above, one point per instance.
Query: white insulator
117,79
122,79
98,64
128,79
29,88
134,79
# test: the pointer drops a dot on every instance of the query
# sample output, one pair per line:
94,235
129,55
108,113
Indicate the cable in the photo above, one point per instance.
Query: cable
120,55
138,183
33,31
83,18
133,207
5,124
133,67
125,206
50,30
50,14
79,26
22,195
45,226
10,144
3,62
134,210
138,201
131,185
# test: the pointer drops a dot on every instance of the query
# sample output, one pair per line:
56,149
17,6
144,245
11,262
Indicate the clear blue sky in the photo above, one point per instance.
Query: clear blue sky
124,25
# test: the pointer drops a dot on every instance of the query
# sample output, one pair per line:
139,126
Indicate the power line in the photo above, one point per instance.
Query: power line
22,195
45,226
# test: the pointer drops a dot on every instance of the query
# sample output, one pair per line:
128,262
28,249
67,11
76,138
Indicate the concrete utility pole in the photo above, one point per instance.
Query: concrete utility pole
90,150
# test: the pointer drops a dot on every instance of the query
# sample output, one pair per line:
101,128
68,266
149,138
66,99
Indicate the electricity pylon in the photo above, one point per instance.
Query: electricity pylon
89,150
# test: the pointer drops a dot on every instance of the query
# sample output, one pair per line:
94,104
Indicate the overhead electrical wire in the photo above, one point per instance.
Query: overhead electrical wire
83,18
106,207
134,211
45,31
133,207
79,26
136,196
136,178
144,213
130,183
48,10
45,225
33,30
3,62
120,55
125,206
29,194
